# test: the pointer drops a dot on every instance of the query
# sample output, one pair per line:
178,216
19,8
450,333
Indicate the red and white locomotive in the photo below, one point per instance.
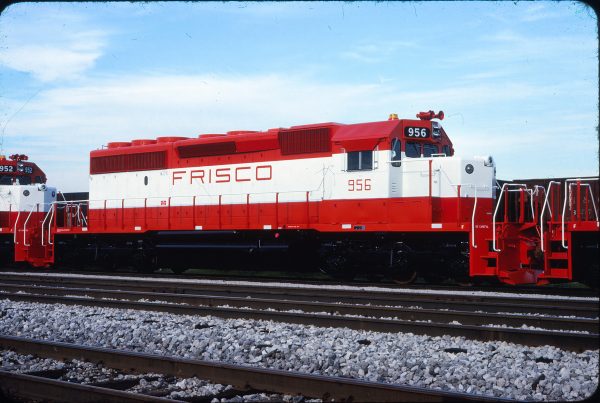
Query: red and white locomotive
24,200
387,197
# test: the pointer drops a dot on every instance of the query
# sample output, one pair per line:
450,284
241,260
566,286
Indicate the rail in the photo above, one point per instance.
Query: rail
242,377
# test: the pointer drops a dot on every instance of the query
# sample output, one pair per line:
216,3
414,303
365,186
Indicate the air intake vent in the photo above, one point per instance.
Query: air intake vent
304,141
206,150
128,162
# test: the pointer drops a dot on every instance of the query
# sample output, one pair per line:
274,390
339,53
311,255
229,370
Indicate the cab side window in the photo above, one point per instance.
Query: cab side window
446,150
413,150
396,152
360,160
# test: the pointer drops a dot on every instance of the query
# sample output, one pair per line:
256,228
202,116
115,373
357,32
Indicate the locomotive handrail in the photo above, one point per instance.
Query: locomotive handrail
15,228
473,221
544,210
533,192
44,223
80,214
568,185
301,192
50,214
520,185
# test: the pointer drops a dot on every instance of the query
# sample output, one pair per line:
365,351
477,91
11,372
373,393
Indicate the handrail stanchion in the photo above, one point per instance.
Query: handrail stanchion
15,228
44,223
458,205
52,219
548,192
578,207
307,209
169,212
276,210
194,211
220,213
473,221
564,210
587,206
248,210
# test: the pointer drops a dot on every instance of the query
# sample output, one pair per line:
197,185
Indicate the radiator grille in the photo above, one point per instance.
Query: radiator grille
304,141
128,162
206,150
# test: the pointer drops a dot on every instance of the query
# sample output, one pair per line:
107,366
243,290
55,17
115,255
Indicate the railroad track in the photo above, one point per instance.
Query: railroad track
435,299
567,289
445,319
240,376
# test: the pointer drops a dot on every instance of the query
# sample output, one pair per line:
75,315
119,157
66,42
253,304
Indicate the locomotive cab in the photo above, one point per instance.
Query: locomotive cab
422,163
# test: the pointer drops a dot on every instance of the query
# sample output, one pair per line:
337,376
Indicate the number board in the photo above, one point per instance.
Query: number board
7,168
417,132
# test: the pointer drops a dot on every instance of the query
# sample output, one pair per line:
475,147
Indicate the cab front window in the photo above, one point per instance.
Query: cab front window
412,150
24,180
429,149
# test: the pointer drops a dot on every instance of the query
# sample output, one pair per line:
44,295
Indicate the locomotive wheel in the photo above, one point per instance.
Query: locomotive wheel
465,281
406,276
402,269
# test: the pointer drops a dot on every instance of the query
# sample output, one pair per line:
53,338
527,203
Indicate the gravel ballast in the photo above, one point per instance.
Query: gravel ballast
88,373
446,363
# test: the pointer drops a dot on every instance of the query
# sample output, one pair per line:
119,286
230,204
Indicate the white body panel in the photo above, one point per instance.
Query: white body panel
290,180
26,198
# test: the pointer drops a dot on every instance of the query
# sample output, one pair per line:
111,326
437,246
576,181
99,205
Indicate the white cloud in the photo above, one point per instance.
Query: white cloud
47,63
57,45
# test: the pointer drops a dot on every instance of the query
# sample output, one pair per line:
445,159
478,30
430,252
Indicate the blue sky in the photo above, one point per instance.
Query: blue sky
516,81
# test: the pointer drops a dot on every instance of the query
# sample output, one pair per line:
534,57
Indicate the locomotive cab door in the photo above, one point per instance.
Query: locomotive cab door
395,168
